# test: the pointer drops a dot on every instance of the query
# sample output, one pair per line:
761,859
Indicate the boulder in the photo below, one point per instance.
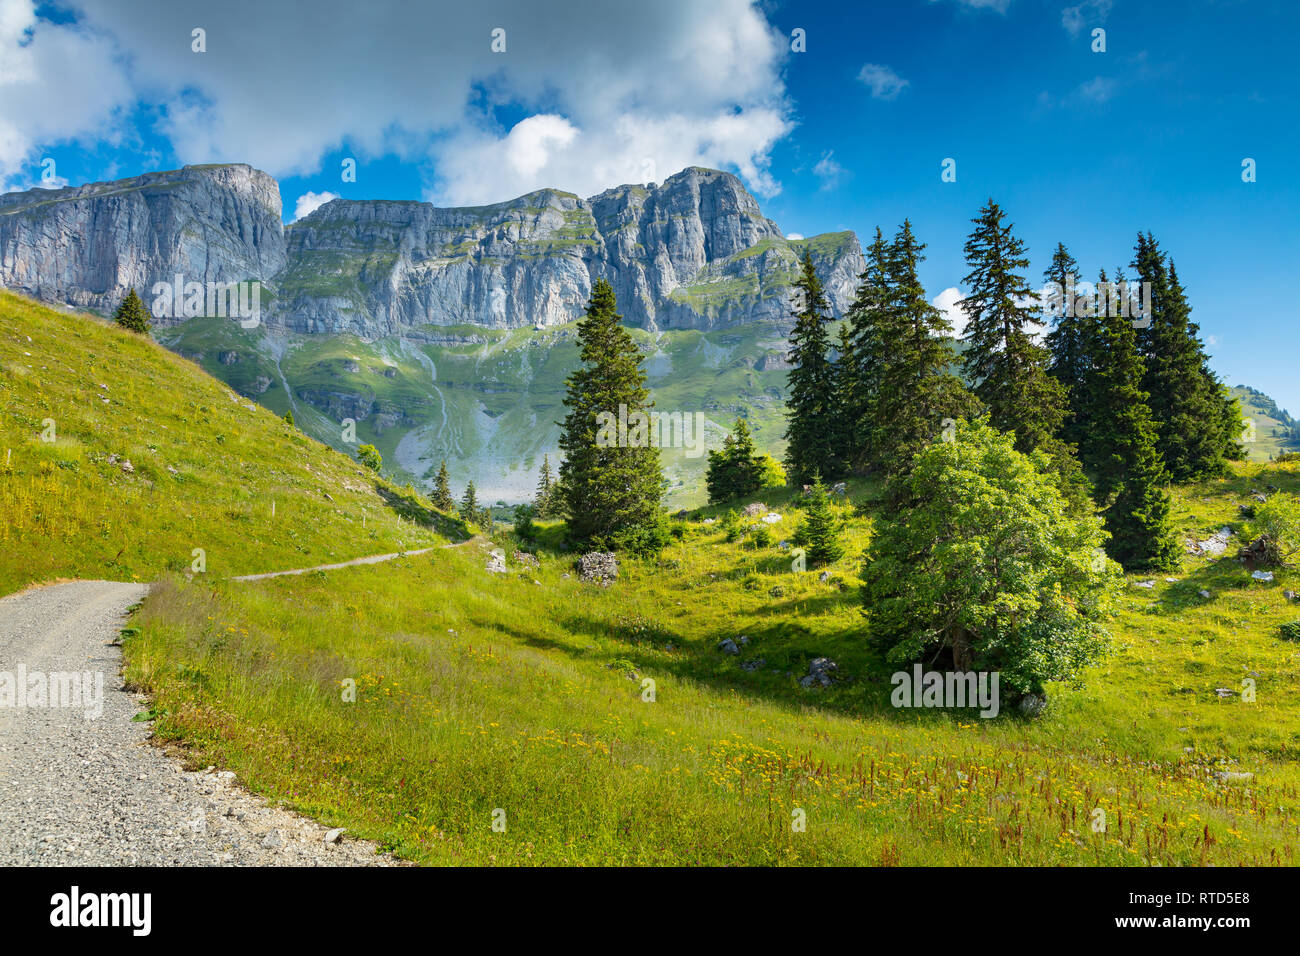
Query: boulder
754,510
598,566
728,646
1031,705
496,562
820,671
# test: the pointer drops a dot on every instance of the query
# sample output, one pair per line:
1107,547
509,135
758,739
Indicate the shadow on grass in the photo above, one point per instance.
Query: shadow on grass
408,505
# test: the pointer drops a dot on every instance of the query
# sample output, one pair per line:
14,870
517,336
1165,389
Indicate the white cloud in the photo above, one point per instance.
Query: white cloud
57,84
794,235
605,90
309,202
885,84
999,5
828,170
946,302
1075,18
1099,89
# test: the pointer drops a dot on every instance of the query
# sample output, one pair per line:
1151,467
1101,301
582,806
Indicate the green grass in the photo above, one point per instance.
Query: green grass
211,470
524,693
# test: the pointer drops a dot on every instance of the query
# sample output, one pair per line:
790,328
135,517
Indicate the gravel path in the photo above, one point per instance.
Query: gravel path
91,791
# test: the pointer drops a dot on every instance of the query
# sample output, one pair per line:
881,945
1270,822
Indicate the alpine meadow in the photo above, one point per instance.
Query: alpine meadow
420,447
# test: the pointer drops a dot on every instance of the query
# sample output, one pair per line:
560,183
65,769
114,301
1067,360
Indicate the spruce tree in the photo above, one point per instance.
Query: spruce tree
543,501
914,390
288,417
1008,369
868,348
812,428
611,485
1131,482
131,314
1070,343
469,509
735,470
822,531
442,499
1194,417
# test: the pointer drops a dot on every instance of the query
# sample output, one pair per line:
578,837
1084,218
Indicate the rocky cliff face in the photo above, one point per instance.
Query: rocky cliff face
86,245
694,252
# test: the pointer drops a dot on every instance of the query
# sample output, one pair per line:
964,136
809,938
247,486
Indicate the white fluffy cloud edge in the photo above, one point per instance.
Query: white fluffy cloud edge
428,83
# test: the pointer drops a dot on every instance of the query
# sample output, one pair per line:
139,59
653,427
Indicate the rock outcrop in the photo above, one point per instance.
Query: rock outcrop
693,252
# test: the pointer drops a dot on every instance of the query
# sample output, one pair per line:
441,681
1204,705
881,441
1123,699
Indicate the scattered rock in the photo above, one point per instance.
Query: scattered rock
819,673
598,566
1032,705
526,559
1259,496
754,510
1289,595
1214,545
824,577
272,840
1225,692
728,646
756,664
1234,776
128,467
496,562
771,518
1204,593
1262,575
777,592
1144,584
333,836
839,488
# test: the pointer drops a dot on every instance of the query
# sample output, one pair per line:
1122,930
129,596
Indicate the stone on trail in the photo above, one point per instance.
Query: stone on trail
598,566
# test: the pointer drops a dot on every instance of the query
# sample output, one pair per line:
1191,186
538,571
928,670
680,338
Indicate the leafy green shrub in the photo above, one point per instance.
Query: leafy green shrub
982,564
1276,523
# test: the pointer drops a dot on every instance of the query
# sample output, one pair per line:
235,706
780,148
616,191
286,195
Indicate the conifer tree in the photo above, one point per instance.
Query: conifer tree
442,499
812,428
288,417
611,484
1198,428
914,391
469,509
1008,369
822,531
543,501
1070,342
1131,482
736,469
131,313
859,378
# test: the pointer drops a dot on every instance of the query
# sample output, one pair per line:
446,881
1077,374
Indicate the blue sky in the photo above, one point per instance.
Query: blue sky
1079,146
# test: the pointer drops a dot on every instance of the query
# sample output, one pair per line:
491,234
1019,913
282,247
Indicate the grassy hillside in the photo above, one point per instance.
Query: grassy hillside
1271,435
524,693
148,458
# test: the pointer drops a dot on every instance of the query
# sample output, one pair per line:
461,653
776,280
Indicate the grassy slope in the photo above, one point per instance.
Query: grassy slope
478,692
1269,442
208,466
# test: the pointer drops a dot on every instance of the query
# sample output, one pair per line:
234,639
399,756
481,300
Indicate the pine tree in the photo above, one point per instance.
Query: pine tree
735,470
868,347
914,391
1070,342
1195,421
822,531
811,427
288,417
442,499
469,509
611,485
543,502
131,314
1131,482
1008,369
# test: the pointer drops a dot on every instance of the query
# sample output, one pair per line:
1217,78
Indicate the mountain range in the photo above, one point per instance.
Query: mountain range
443,332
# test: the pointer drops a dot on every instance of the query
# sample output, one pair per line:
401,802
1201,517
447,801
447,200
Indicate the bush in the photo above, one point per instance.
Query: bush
771,472
1276,523
369,456
525,529
982,565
